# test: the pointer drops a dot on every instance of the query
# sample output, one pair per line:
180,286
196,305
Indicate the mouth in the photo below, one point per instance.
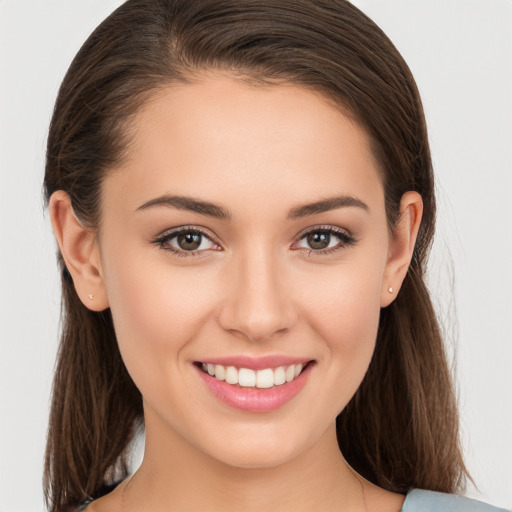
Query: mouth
262,389
264,378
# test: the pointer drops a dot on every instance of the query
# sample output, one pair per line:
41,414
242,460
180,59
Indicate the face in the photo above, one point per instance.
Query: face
245,234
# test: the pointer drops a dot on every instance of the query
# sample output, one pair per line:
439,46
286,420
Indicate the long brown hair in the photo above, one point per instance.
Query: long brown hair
400,430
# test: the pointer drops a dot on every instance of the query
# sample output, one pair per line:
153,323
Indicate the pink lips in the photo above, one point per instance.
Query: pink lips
255,399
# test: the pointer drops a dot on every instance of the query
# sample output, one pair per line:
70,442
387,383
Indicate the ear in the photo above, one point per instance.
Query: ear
401,247
79,248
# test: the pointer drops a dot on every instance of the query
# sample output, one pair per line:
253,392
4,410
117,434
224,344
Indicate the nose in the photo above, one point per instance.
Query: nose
257,304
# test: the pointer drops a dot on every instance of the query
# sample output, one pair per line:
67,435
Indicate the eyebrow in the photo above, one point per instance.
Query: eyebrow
213,210
188,203
325,205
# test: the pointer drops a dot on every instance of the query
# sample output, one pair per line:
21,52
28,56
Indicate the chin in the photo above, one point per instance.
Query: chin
261,459
258,452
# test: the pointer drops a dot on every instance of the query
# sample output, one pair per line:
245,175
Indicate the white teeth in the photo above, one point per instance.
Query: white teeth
231,375
279,376
220,372
265,378
245,377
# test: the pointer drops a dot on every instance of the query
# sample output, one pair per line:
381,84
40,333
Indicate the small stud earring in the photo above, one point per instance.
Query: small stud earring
91,296
390,289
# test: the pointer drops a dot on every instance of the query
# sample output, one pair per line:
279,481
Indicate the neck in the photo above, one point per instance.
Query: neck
176,476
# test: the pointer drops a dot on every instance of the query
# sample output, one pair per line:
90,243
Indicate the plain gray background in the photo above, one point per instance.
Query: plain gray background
460,52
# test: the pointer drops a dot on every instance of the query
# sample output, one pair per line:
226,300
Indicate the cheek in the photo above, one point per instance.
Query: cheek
157,309
347,303
345,313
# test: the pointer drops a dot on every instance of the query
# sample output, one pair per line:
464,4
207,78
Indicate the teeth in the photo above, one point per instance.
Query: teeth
279,376
245,377
231,375
265,378
220,372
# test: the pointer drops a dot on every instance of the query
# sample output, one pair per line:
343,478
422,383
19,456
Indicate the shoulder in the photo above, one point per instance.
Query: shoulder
106,498
428,501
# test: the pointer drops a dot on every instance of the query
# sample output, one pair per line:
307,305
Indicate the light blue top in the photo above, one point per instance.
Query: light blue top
429,501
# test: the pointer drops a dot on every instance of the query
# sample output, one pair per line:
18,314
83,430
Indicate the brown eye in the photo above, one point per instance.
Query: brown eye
189,241
319,240
324,240
186,242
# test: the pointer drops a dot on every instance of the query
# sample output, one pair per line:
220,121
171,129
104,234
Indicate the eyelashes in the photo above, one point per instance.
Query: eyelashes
324,240
193,242
186,241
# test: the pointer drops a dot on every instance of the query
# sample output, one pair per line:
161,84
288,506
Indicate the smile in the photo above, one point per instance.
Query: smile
245,377
267,386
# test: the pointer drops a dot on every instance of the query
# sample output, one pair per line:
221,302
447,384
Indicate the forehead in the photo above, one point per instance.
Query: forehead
224,139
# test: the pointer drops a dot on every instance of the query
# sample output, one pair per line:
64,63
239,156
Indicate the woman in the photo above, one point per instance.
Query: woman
243,199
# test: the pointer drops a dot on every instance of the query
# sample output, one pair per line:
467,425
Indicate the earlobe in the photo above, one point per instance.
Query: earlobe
80,251
402,245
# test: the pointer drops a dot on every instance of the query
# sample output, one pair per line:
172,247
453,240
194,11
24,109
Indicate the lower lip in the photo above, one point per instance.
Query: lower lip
255,399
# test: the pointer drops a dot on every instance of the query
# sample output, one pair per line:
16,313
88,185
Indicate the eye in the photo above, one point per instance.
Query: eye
325,240
186,241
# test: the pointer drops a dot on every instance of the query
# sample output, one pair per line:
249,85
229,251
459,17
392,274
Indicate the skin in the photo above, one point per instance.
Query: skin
255,287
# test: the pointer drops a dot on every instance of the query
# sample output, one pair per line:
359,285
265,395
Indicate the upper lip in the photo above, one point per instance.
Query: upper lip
256,363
